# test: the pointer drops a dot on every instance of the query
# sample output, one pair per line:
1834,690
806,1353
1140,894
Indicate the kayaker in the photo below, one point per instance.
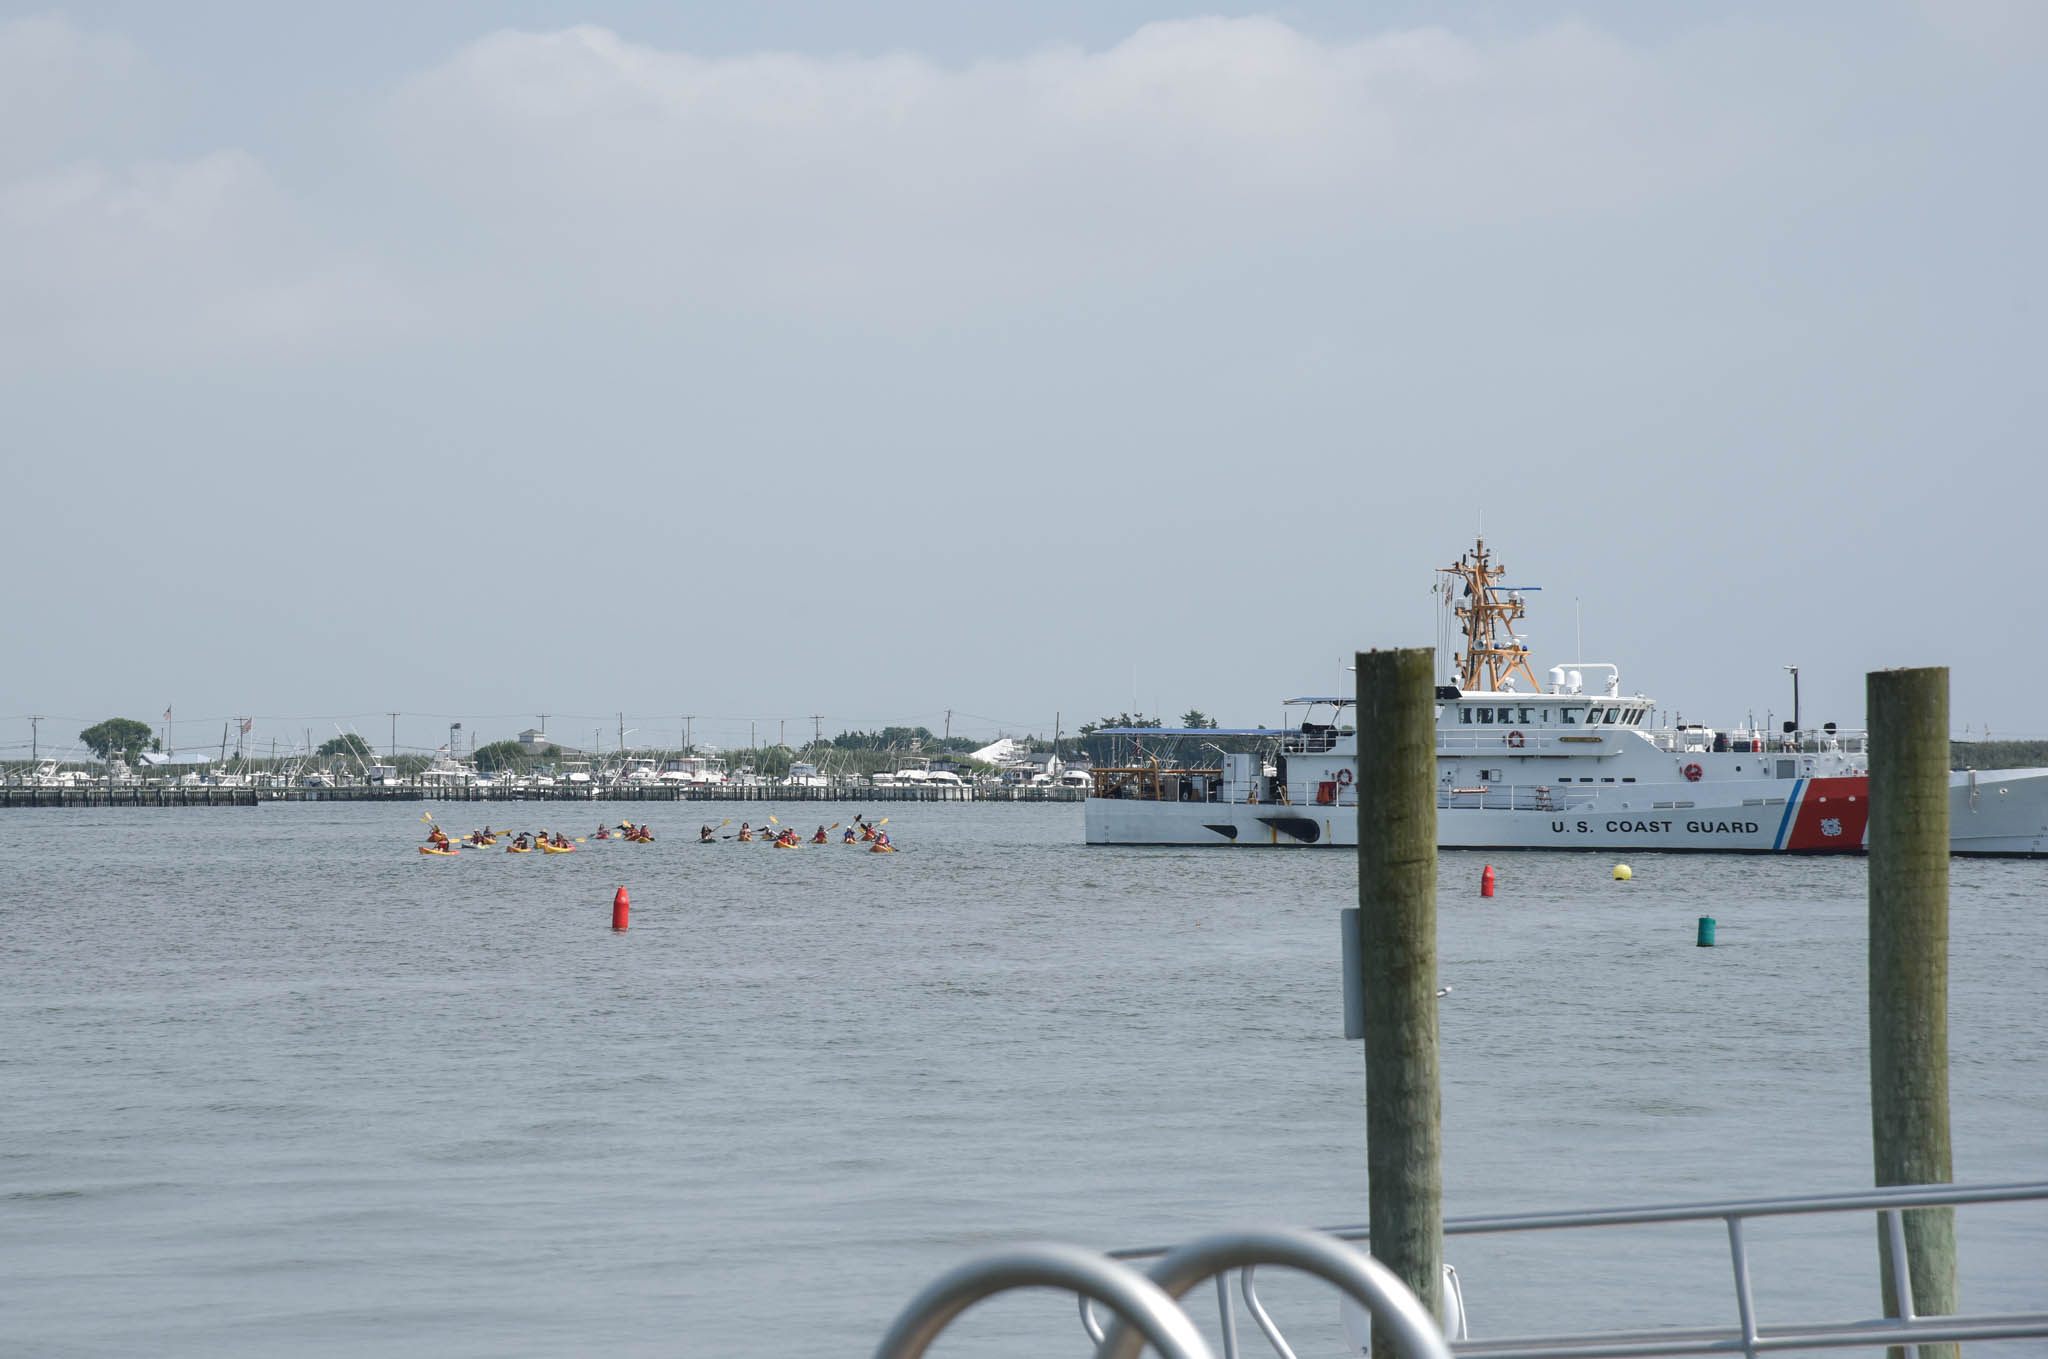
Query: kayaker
520,841
849,838
882,839
602,834
705,835
746,831
821,838
561,840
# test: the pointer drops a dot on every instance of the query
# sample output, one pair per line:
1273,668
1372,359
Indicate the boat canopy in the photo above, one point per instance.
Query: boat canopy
1309,702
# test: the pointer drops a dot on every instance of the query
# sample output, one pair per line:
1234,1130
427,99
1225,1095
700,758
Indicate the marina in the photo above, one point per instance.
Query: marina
212,795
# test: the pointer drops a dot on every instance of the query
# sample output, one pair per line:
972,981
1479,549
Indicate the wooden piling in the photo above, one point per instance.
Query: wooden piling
1908,713
1397,922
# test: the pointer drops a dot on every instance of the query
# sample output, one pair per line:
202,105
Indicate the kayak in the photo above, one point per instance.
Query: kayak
559,849
444,853
514,849
881,849
797,845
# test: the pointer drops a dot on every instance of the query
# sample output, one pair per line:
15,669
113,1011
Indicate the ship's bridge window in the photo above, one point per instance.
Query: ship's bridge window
1465,715
1568,716
1526,719
1486,717
1592,717
1507,717
1613,714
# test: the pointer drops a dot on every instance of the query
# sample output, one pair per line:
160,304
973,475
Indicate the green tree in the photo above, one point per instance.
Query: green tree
1195,717
500,755
348,743
123,736
1120,720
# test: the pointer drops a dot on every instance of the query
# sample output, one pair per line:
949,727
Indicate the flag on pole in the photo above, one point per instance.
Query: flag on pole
247,723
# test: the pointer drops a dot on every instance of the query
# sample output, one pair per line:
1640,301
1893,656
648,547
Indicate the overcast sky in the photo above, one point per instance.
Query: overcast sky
478,361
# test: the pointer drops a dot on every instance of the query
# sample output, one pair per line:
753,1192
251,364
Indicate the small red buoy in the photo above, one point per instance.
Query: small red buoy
1485,882
622,906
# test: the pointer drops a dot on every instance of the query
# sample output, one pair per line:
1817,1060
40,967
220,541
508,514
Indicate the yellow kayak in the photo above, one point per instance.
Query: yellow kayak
444,853
559,849
881,849
514,849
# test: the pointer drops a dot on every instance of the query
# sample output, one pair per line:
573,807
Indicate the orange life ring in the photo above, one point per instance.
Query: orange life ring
1344,777
1515,739
1692,773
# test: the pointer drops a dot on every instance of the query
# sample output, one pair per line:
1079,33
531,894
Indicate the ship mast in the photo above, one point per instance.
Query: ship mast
1487,613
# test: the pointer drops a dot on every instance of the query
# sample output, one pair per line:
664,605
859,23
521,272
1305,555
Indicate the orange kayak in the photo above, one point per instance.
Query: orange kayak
559,849
514,849
444,853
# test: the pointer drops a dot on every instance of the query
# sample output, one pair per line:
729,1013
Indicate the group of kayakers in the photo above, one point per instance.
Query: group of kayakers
788,837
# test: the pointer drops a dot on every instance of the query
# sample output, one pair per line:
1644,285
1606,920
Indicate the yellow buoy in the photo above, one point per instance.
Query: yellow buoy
1621,873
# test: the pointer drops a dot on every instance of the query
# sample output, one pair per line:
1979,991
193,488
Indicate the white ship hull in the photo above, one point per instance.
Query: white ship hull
2005,812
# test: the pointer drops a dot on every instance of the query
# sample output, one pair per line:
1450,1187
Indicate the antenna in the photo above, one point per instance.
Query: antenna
1579,629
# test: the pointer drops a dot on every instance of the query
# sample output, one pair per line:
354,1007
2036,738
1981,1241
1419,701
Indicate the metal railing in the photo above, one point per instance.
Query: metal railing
1750,1335
1146,1307
1515,797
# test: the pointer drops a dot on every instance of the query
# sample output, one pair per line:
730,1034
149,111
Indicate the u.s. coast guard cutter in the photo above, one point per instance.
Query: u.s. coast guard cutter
1523,765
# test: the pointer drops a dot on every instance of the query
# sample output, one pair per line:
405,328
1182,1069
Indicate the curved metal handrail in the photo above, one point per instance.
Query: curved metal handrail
1267,1326
1392,1305
1144,1310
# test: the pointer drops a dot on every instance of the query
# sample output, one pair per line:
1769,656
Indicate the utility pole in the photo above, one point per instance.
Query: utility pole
394,734
1397,938
782,731
817,729
1909,847
543,727
35,738
1795,698
949,724
688,744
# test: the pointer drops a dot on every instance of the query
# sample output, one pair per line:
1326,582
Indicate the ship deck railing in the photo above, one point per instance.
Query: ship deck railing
1514,797
1749,1332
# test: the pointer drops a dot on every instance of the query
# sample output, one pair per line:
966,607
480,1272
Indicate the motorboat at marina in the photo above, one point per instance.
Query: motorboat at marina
1565,764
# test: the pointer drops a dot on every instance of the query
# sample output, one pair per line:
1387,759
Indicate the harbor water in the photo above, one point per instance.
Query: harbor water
274,1083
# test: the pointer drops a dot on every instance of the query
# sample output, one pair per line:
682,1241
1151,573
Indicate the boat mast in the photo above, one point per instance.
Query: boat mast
1487,614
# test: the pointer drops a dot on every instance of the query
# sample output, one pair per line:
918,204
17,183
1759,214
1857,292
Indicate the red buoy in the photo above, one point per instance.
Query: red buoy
622,906
1485,882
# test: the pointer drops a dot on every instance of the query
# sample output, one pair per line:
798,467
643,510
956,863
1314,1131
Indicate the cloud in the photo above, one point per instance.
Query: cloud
637,176
176,261
169,260
60,89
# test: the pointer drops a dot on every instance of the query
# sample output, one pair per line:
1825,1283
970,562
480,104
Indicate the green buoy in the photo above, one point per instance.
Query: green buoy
1706,935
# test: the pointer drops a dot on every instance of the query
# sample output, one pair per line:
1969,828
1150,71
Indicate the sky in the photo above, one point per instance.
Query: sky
1032,362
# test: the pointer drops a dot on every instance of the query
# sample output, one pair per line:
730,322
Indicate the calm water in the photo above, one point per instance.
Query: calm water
273,1083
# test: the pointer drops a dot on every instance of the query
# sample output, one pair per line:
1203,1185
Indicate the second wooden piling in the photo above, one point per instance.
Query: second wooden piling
1397,921
1909,847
